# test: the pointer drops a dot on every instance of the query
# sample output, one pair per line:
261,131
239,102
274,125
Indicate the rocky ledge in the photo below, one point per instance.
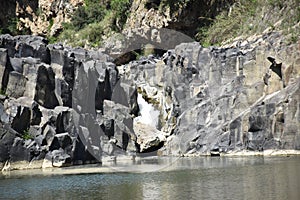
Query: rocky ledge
62,106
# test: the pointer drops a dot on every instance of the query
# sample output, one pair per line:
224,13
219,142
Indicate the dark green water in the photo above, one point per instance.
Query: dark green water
186,178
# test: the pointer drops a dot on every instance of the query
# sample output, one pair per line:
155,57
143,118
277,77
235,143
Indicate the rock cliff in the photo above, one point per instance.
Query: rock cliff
184,16
62,106
44,17
224,100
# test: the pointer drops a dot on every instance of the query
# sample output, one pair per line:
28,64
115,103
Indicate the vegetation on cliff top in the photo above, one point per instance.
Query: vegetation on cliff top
95,21
250,17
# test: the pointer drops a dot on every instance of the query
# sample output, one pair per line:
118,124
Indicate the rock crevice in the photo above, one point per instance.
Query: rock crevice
65,106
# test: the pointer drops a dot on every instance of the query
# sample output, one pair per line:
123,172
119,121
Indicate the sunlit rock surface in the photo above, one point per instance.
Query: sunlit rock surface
62,106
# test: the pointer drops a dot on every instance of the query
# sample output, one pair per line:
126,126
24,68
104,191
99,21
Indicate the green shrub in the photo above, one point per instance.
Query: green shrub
10,27
84,15
227,25
276,3
121,9
52,39
26,135
249,17
93,34
94,20
51,22
38,11
2,91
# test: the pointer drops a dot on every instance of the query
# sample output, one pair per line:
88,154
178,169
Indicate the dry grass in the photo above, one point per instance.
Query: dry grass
249,17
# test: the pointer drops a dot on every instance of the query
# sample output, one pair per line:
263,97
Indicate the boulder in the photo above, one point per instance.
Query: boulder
18,151
21,113
58,158
16,84
149,138
16,64
5,68
45,87
73,106
123,125
6,142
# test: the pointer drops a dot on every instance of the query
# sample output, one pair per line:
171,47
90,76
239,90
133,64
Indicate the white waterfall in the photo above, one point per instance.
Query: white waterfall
148,114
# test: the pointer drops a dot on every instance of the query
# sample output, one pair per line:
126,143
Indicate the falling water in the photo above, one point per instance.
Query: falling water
148,114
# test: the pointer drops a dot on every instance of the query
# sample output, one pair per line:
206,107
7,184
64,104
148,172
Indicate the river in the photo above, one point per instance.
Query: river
254,178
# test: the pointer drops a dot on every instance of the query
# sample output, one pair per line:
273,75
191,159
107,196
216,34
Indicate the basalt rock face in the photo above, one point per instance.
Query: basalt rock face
223,100
57,107
235,108
62,106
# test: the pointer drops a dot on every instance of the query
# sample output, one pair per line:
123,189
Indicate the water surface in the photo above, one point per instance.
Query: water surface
184,178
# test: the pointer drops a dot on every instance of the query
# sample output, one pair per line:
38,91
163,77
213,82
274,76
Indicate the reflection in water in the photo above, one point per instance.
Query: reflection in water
187,178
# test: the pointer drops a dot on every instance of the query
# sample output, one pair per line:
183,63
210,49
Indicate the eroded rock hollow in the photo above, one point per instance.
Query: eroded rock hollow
62,106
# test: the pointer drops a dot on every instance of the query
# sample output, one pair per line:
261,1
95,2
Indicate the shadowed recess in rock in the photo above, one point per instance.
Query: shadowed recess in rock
45,94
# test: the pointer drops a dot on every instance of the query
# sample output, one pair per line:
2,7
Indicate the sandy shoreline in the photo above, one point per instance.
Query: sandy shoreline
138,165
250,153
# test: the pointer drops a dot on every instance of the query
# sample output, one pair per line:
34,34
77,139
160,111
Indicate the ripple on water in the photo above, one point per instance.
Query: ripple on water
192,178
